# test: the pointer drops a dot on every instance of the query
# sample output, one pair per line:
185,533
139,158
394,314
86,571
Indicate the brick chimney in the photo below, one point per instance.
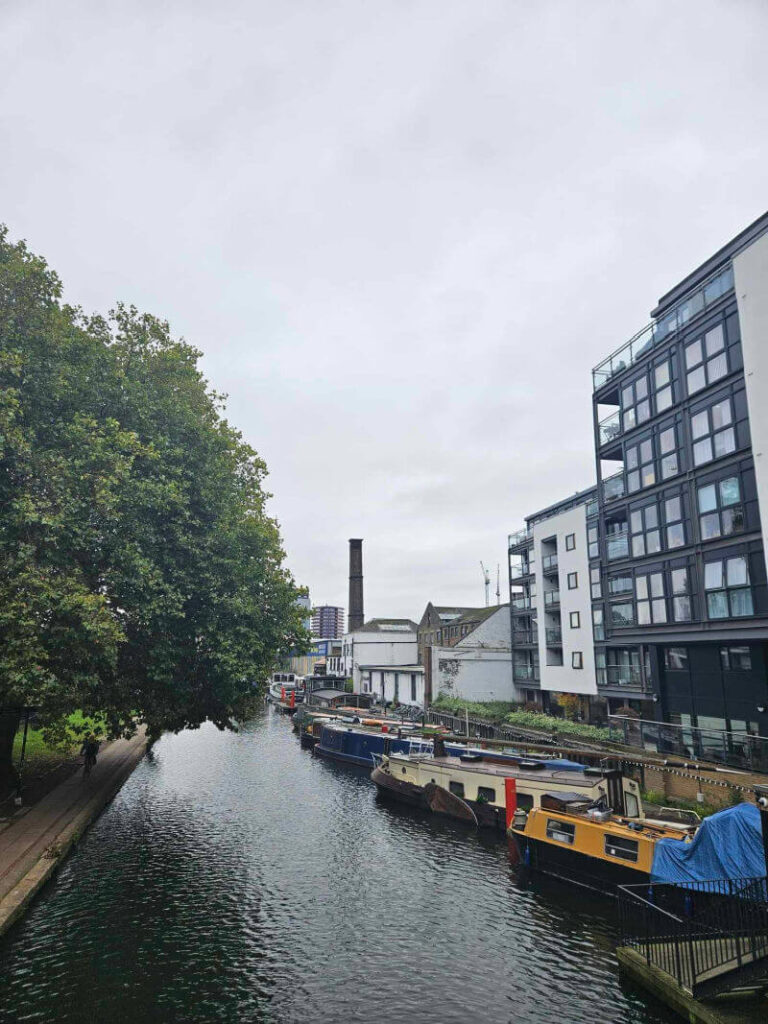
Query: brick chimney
355,617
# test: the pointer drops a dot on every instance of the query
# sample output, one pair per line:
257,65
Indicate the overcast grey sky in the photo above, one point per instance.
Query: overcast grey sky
401,232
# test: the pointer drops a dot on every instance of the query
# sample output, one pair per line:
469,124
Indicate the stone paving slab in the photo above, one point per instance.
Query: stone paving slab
33,846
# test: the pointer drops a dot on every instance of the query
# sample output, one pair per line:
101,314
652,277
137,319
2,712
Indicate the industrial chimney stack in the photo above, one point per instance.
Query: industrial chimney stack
355,618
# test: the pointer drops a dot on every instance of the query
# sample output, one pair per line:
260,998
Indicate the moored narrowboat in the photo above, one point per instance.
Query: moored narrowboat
579,840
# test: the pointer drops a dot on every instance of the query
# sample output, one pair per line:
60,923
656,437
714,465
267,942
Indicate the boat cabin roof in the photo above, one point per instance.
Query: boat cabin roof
509,769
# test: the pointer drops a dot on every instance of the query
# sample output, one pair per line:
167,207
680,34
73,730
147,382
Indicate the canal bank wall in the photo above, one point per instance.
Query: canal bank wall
34,845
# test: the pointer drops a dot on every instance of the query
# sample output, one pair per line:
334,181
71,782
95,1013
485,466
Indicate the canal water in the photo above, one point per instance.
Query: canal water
239,878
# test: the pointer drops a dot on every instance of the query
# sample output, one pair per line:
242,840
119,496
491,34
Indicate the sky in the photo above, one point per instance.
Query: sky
402,232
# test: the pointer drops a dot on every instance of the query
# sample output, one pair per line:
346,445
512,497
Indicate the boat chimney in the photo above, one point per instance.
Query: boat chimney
355,619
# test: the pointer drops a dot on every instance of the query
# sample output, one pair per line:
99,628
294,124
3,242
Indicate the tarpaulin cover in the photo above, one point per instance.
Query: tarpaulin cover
563,764
728,844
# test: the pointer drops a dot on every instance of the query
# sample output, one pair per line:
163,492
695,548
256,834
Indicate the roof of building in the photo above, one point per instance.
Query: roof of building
387,625
391,668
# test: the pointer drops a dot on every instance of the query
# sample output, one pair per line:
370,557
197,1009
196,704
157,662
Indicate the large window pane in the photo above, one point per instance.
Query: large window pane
714,340
653,542
710,526
675,536
672,509
702,452
679,581
717,605
733,520
669,467
713,575
659,611
730,492
725,442
699,424
664,399
661,374
693,354
721,414
682,609
736,572
717,367
707,498
651,517
667,440
741,601
696,380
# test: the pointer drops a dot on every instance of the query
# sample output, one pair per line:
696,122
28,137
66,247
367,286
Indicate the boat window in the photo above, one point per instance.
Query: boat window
486,795
457,788
525,801
562,831
631,805
618,846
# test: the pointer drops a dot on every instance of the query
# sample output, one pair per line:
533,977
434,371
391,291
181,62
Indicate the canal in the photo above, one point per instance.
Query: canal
238,878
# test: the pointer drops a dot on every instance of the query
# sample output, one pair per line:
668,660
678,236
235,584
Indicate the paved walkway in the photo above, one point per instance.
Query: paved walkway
32,846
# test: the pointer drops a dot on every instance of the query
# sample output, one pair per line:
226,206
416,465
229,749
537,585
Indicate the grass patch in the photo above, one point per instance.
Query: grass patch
653,796
493,711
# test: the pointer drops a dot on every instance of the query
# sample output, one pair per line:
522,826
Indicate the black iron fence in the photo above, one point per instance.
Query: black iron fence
738,749
705,935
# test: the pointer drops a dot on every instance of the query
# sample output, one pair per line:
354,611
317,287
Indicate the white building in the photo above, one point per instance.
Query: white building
403,684
478,666
378,645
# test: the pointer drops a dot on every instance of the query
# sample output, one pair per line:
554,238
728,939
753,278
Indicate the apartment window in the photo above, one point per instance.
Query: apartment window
736,659
720,510
413,686
573,580
620,584
575,619
676,659
681,595
726,582
623,614
713,433
662,385
670,462
570,541
651,606
598,628
644,527
641,471
635,405
594,547
706,360
594,578
673,517
577,659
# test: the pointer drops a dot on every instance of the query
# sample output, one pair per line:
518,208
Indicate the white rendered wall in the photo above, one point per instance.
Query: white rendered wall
563,678
403,686
368,648
473,673
750,273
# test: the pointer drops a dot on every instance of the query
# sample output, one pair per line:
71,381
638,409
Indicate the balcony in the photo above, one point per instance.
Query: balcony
521,602
609,428
620,675
549,565
519,572
613,487
554,637
659,331
524,673
523,536
552,599
523,636
617,546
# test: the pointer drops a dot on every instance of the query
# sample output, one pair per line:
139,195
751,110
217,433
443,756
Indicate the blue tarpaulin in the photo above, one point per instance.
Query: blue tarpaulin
728,844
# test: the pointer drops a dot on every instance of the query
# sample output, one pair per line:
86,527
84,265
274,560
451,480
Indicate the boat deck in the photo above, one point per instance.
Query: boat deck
567,776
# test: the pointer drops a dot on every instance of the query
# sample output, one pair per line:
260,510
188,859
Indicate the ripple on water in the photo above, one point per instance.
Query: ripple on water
237,878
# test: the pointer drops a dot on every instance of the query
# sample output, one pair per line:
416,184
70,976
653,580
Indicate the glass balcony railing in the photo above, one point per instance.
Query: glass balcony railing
516,572
524,672
617,546
620,675
549,564
552,598
554,637
521,537
659,330
523,636
613,487
521,602
609,428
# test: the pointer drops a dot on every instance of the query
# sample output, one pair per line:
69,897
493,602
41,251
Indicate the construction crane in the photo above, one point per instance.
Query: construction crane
487,582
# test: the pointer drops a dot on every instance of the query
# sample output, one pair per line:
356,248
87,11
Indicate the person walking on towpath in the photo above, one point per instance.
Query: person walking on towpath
89,750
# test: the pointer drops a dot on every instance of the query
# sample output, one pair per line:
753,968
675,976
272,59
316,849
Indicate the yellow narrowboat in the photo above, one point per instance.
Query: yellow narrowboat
570,837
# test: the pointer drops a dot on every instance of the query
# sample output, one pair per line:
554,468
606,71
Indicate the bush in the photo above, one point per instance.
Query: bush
513,714
626,712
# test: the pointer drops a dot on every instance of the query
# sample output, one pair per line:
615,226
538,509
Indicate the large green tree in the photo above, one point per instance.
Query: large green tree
140,574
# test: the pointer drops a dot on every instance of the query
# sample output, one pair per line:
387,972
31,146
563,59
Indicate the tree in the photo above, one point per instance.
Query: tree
570,703
140,574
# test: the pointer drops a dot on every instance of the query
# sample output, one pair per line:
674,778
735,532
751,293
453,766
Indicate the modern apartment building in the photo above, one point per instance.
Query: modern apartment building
328,622
681,436
550,564
673,536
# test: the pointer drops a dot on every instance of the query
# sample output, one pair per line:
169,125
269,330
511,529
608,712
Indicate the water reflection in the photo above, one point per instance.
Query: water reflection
240,878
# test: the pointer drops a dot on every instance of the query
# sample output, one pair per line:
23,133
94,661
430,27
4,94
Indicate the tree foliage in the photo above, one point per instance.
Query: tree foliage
141,576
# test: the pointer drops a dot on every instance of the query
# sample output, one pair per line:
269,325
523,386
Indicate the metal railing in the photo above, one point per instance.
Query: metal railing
702,934
737,749
521,601
554,636
552,598
520,537
609,428
659,331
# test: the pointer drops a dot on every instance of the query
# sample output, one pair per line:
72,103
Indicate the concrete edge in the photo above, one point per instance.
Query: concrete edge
15,903
665,989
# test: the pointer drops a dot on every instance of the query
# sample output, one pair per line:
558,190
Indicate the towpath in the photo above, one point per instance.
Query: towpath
33,844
